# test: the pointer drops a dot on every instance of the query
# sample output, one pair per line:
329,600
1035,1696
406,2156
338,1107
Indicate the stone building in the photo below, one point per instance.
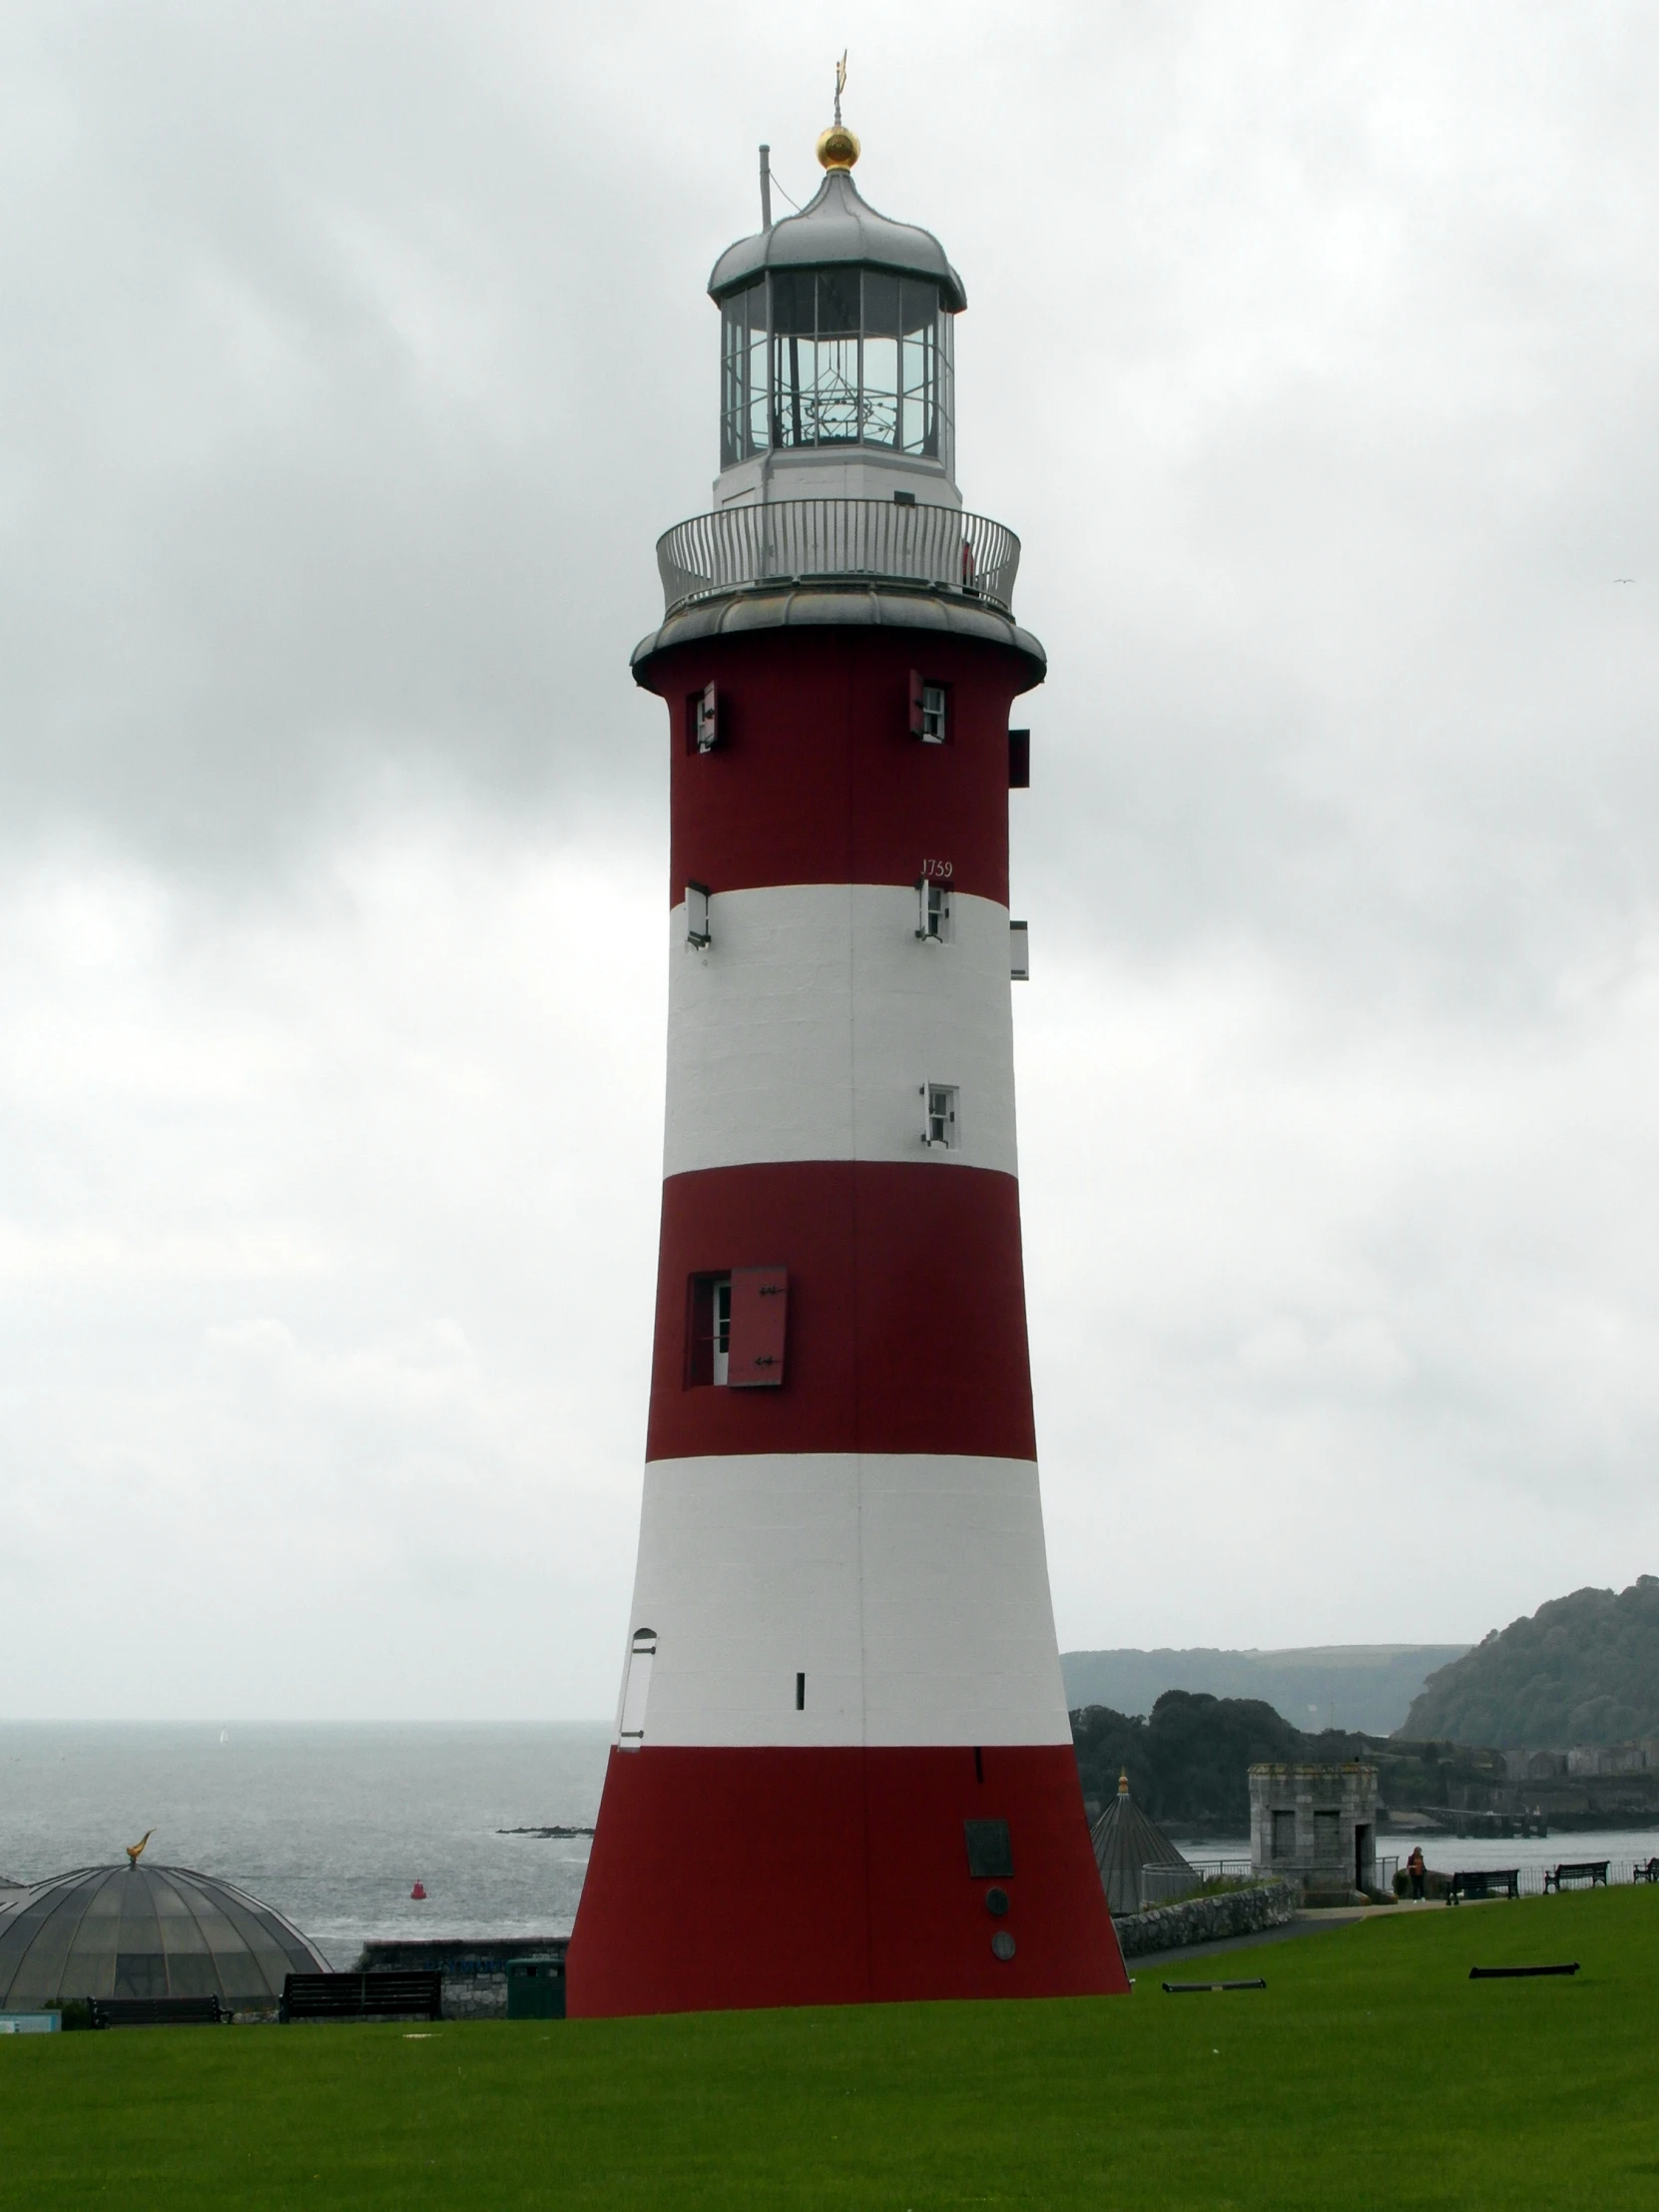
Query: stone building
1316,1826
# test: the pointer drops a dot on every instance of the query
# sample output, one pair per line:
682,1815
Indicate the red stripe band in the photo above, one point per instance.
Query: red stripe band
838,1876
907,1310
816,777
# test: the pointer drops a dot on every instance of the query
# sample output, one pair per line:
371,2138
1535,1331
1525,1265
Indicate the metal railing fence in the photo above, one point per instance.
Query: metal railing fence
797,540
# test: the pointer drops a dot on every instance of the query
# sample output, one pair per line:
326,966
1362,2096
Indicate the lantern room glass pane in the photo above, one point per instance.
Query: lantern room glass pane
849,357
882,328
743,376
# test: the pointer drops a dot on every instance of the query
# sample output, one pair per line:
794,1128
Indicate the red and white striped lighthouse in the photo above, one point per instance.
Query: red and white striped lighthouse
842,1769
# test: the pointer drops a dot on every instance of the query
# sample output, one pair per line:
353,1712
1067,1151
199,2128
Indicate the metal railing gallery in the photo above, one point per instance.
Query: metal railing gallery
797,540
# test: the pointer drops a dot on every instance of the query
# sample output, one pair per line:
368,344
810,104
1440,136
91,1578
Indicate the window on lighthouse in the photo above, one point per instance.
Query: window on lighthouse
940,1129
710,1348
933,921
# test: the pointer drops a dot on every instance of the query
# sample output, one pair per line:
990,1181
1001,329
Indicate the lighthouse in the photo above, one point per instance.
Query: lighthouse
842,1768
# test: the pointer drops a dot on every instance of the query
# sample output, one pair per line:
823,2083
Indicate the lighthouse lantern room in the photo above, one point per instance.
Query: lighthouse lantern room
843,1766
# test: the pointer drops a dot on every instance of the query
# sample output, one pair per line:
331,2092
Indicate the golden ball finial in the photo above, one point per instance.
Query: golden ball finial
837,148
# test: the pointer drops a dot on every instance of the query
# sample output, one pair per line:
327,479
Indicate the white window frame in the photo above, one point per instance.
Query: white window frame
707,718
933,910
933,711
1019,951
719,1296
697,932
940,1117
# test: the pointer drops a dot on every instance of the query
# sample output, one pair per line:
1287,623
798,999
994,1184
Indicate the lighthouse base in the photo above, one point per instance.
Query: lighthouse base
725,1879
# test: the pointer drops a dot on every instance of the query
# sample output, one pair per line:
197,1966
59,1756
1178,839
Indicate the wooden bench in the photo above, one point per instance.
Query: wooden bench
1592,1871
1482,1881
388,1995
157,2013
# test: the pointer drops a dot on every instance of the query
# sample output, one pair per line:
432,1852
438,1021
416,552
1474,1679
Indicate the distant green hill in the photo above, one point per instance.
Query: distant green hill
1346,1686
1581,1670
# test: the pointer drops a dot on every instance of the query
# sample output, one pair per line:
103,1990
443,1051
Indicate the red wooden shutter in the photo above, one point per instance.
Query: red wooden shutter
760,1312
1019,760
917,723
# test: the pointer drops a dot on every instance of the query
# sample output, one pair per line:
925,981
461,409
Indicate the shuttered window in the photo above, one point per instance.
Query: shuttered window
702,719
759,1324
939,1125
709,1328
927,710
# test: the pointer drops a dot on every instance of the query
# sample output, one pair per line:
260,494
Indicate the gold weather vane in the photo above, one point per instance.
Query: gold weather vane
837,148
134,1852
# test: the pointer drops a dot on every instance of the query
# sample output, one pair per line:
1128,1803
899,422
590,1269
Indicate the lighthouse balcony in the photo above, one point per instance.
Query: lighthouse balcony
808,541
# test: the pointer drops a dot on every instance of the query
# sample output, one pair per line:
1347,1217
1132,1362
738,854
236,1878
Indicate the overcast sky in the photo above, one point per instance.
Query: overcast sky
351,358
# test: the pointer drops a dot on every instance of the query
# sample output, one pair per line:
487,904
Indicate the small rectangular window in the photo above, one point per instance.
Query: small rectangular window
990,1854
929,710
939,1131
697,913
702,719
903,498
1284,1835
757,1324
934,910
801,1693
1019,951
1019,760
709,1335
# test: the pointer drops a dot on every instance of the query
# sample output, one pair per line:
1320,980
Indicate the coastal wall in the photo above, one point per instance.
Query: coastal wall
474,1969
1207,1919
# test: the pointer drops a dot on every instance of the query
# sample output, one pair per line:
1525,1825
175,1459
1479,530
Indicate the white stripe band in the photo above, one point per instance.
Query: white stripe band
909,1589
808,1026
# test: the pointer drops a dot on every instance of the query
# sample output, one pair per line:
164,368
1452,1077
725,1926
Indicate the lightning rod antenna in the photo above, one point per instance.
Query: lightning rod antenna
840,85
766,187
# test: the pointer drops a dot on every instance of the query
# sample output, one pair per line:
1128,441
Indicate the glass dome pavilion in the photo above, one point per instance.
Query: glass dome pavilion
146,1932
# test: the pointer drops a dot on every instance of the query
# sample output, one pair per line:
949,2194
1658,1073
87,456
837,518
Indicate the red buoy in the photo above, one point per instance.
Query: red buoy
419,1890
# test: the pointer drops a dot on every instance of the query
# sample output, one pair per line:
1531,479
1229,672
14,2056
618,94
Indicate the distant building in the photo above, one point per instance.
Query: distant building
1534,1766
1316,1826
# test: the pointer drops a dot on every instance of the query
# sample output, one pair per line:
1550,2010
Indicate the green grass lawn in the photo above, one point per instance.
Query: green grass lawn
1370,2073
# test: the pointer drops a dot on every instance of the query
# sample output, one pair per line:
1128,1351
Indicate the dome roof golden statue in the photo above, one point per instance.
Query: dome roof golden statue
837,148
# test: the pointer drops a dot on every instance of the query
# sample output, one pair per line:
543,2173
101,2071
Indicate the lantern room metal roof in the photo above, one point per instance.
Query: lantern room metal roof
838,225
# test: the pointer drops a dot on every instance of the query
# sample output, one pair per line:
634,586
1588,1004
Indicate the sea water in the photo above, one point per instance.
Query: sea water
332,1825
1621,1847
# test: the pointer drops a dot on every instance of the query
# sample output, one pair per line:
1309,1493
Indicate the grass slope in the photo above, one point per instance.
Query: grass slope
1372,2072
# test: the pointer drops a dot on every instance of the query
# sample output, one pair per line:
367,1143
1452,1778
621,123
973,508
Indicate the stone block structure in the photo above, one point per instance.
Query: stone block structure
1316,1826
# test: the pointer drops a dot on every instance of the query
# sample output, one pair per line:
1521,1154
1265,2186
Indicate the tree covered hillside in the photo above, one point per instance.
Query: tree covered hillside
1190,1761
1581,1670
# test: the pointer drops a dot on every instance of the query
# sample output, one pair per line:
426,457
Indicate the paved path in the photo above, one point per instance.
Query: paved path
1305,1924
1151,1962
